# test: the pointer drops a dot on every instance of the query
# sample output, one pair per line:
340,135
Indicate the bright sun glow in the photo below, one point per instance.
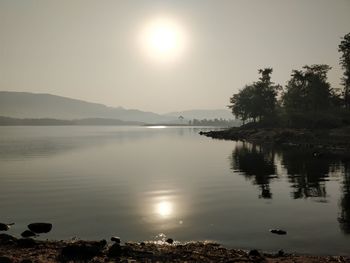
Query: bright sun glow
163,39
164,208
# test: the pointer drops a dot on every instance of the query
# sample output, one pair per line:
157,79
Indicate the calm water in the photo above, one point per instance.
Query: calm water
139,183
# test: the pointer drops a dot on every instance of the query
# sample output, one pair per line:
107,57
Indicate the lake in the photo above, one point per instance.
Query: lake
147,183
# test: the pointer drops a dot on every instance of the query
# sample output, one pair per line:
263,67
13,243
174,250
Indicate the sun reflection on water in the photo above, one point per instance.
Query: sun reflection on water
164,208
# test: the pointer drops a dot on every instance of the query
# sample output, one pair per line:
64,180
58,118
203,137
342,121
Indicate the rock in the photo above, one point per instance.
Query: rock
281,253
40,228
115,250
254,253
26,242
7,239
5,227
28,233
278,231
82,251
5,260
26,261
115,239
169,241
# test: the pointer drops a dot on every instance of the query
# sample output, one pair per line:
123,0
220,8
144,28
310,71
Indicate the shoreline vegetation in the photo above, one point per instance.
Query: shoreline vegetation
28,250
306,112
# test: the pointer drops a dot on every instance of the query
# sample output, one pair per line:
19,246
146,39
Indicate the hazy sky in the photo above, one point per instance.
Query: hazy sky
91,50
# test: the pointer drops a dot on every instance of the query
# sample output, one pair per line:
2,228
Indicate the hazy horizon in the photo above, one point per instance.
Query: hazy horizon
91,50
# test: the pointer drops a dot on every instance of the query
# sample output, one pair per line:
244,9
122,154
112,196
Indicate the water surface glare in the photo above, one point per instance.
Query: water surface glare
141,184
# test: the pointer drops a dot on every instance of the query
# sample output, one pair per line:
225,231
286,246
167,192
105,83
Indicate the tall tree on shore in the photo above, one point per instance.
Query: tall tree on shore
308,90
256,101
344,48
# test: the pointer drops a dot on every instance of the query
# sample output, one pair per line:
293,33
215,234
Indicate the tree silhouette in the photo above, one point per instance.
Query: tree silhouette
344,48
256,101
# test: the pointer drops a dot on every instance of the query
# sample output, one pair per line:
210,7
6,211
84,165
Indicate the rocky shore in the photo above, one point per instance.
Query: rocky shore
331,139
27,250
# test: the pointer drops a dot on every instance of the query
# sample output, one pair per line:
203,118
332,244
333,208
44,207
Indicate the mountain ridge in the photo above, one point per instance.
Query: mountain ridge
43,105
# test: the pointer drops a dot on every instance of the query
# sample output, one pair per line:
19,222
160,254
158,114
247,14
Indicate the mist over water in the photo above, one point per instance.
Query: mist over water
142,183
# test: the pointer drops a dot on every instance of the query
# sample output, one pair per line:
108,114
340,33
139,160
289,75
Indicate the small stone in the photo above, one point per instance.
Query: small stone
169,241
40,228
278,231
281,253
143,244
28,233
116,239
5,260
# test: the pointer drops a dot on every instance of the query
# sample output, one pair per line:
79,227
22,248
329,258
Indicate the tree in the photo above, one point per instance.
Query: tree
308,89
256,101
344,48
309,100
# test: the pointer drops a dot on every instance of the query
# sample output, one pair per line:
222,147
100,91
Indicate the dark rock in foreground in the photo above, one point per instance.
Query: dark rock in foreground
40,228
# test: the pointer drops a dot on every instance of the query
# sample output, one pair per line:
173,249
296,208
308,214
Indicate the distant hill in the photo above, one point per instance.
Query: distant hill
24,105
203,114
7,121
32,105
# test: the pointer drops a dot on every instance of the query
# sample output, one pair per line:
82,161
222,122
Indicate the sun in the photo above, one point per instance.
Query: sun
163,39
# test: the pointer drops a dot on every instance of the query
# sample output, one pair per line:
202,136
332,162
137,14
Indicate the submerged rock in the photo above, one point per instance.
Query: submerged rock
40,228
278,231
28,233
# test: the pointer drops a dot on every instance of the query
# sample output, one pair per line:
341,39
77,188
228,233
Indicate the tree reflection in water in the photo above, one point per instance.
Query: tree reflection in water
344,204
257,164
306,170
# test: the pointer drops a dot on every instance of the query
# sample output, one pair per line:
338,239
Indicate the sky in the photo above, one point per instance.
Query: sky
98,51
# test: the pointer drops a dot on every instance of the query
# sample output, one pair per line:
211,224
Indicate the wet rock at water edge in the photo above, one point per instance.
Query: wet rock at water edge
28,233
7,239
170,241
5,227
115,239
5,260
278,231
40,228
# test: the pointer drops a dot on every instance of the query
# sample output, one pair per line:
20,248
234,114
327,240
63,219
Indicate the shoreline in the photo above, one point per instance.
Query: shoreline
27,250
336,141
